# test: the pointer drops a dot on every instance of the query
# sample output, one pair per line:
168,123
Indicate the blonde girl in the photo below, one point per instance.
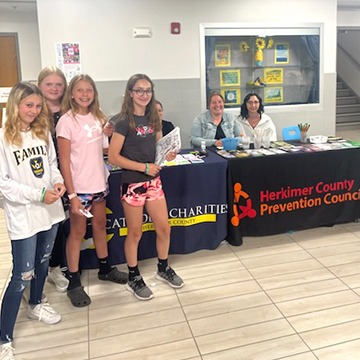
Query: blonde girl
32,187
132,148
80,140
52,83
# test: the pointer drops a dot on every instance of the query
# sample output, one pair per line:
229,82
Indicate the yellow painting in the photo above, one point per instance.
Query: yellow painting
222,55
274,76
231,96
273,94
229,77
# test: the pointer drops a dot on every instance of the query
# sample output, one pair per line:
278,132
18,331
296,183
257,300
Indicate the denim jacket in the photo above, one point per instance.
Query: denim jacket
203,128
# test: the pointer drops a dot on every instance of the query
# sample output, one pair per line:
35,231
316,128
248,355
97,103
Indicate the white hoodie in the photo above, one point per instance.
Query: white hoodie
24,172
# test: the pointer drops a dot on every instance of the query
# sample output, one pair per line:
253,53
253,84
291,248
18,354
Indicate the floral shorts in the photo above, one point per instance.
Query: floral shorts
136,194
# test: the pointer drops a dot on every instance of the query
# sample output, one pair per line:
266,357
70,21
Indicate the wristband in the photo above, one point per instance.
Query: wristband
71,196
43,195
147,169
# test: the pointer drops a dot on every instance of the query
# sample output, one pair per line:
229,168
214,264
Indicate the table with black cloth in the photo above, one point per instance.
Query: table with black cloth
197,202
274,194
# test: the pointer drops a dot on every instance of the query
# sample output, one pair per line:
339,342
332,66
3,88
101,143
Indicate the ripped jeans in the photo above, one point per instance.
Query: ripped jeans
30,263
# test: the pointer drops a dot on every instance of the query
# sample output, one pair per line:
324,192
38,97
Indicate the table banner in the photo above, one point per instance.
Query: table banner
275,194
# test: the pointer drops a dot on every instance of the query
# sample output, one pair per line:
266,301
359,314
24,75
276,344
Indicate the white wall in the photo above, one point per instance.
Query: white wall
104,30
25,24
110,53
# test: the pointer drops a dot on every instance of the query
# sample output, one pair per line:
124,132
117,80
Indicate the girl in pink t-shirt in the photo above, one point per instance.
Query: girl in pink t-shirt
80,141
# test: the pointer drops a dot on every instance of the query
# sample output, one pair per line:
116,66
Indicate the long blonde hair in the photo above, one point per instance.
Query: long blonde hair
40,127
127,109
70,103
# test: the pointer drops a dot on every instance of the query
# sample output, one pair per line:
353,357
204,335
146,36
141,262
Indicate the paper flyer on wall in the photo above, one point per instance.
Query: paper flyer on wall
170,142
68,58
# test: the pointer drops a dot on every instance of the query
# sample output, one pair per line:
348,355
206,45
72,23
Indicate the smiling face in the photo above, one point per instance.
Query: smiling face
83,95
52,87
140,101
29,109
253,104
216,106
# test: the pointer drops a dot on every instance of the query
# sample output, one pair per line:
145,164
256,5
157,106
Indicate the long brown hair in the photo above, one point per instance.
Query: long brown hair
40,127
127,109
70,103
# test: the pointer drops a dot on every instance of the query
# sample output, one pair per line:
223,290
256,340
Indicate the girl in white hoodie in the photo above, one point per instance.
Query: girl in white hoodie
32,187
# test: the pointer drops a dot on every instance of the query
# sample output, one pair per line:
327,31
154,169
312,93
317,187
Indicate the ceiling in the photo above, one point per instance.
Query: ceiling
17,5
30,5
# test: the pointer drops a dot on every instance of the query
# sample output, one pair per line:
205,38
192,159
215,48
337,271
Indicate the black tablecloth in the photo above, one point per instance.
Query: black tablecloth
274,194
196,198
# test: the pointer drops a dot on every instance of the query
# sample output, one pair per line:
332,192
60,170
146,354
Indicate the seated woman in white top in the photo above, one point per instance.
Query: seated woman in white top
252,118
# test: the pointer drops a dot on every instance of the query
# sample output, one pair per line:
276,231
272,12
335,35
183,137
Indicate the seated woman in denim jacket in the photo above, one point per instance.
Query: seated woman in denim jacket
214,124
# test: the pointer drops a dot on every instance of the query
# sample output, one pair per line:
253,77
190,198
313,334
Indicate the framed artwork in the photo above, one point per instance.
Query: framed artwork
274,76
231,96
222,55
273,94
229,77
281,53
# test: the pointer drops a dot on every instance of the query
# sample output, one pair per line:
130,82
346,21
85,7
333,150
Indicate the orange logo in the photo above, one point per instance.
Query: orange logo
241,211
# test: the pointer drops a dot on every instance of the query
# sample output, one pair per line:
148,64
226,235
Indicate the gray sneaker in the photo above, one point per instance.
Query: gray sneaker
139,288
170,277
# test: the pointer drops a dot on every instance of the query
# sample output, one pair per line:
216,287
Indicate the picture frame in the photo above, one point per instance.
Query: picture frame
231,96
282,53
274,75
273,95
222,55
230,78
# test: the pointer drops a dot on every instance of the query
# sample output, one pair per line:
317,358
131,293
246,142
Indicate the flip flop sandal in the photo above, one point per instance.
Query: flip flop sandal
115,276
79,297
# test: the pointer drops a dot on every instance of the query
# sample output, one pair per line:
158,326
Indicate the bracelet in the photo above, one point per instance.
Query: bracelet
43,195
71,196
147,169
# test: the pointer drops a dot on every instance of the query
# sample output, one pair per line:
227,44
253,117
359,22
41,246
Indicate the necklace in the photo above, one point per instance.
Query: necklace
25,130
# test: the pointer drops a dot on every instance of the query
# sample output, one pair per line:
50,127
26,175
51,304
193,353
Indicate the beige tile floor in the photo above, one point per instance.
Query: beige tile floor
290,296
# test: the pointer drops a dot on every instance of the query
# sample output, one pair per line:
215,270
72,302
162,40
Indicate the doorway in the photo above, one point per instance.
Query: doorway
9,63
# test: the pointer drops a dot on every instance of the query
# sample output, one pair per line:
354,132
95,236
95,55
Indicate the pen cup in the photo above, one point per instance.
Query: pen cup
303,137
266,141
257,142
246,142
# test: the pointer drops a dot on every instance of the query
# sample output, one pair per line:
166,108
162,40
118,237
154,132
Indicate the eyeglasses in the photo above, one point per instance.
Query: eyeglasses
253,102
141,92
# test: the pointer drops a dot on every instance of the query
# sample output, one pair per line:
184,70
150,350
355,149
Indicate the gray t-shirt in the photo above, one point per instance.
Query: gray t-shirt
139,145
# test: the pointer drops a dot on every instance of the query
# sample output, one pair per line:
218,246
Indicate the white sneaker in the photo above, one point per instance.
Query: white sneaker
57,277
6,352
45,313
26,296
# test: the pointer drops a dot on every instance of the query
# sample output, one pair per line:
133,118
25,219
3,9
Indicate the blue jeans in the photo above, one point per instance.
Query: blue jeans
30,263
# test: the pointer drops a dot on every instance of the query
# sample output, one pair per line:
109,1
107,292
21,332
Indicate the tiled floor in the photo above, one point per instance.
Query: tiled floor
291,296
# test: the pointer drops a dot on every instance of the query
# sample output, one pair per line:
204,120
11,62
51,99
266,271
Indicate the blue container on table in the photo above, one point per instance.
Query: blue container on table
230,143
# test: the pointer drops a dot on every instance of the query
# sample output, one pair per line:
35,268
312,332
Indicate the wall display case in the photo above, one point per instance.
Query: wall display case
280,64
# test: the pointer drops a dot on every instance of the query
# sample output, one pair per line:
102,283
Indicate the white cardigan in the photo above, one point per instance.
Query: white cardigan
264,124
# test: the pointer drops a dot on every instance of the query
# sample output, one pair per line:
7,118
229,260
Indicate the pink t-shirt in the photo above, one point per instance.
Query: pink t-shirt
88,170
